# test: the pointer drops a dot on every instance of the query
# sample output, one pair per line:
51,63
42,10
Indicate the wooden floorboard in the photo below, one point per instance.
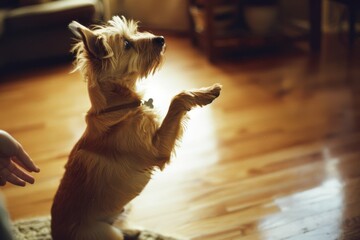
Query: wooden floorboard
276,156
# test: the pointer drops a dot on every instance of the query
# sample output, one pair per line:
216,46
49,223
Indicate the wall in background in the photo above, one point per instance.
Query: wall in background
172,14
157,14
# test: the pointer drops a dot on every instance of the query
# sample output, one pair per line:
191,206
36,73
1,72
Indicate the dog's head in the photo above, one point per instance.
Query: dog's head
117,51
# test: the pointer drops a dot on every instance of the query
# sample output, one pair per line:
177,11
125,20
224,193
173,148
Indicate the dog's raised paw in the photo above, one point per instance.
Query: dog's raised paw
207,95
197,97
216,89
213,91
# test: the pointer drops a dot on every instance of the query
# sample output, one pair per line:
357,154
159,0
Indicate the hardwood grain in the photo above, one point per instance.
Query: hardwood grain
275,157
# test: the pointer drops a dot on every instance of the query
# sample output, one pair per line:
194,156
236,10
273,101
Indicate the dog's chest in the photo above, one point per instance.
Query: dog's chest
128,176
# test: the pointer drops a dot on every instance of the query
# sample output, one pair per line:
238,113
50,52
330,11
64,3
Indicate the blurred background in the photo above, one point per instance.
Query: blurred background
276,156
33,30
36,29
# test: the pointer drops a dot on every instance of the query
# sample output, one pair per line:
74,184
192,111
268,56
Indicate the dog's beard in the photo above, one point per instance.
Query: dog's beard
148,64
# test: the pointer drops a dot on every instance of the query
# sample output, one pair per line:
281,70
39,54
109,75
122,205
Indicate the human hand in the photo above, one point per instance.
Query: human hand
12,155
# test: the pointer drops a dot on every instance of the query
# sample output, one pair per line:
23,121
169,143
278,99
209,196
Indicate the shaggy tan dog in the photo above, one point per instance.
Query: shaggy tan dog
124,141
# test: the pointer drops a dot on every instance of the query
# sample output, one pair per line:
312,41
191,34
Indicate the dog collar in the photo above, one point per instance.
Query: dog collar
134,104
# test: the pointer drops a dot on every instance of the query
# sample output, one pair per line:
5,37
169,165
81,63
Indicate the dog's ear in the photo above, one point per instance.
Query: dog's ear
95,44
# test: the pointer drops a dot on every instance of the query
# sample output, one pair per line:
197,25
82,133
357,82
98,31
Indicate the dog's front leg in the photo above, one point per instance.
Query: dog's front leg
171,128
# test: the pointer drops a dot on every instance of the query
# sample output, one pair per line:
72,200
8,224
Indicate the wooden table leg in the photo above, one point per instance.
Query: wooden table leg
352,21
315,7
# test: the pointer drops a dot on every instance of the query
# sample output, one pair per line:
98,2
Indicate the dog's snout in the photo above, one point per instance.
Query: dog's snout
160,41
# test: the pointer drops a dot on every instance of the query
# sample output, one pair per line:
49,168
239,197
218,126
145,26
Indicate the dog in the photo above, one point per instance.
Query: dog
124,140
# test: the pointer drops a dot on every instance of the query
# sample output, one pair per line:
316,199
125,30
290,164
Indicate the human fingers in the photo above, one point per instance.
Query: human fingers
15,170
11,178
24,160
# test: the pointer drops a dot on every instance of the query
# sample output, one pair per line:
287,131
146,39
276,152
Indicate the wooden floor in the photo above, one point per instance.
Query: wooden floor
277,156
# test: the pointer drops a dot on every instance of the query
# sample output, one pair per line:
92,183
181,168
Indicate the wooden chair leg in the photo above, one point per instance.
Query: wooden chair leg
352,21
315,7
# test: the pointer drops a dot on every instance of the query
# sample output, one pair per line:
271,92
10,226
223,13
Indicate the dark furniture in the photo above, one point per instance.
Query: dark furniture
353,7
39,32
231,43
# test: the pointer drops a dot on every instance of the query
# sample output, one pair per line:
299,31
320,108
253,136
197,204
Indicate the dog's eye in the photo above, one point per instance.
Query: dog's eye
127,45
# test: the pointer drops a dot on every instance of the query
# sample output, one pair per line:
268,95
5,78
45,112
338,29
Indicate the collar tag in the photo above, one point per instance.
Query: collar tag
149,103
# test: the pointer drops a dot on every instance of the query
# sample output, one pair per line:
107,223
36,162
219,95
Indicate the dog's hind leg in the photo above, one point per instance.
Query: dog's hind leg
171,128
98,231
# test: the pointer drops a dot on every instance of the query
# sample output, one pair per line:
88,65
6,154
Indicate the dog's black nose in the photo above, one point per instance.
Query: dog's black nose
160,41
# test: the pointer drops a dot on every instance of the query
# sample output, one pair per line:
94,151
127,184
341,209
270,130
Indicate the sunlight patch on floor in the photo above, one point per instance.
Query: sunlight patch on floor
302,213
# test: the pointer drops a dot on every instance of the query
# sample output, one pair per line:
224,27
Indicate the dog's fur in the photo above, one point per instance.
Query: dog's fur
114,159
